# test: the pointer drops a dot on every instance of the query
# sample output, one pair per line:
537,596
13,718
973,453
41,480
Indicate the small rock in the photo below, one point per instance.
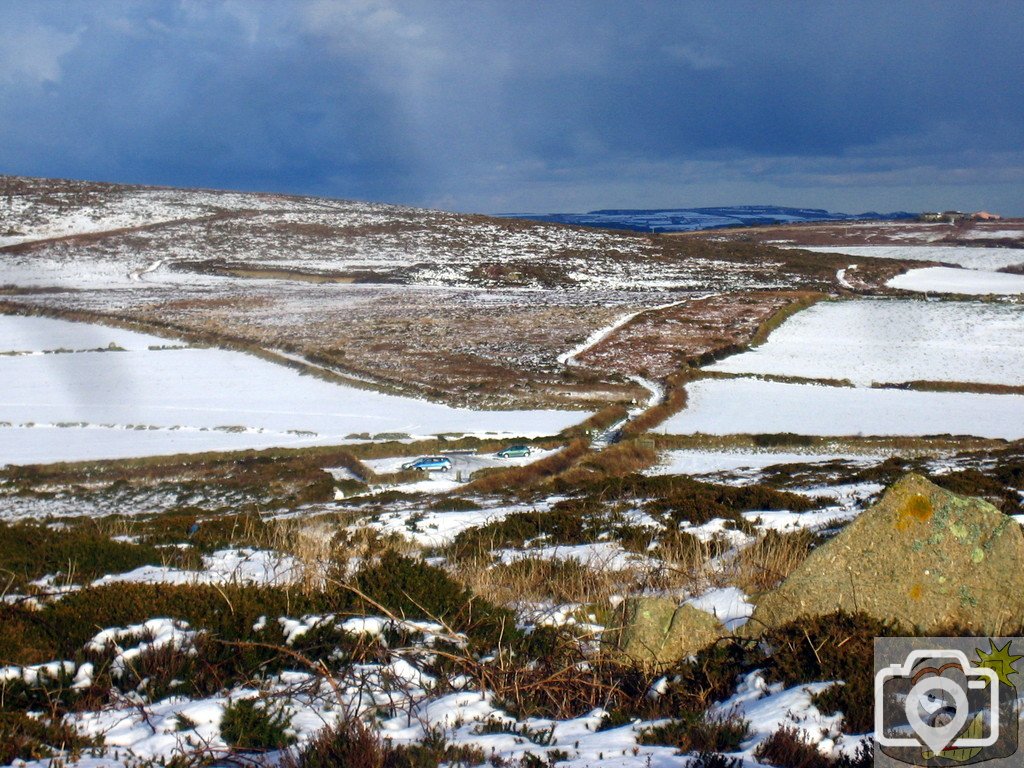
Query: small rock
656,630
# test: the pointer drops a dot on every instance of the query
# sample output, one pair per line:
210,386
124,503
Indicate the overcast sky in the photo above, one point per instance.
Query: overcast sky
526,106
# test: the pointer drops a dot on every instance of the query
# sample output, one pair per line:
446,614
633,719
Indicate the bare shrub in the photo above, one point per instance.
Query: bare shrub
769,560
686,563
536,579
522,477
622,458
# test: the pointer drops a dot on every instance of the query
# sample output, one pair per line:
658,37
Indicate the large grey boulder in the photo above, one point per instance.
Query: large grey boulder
922,557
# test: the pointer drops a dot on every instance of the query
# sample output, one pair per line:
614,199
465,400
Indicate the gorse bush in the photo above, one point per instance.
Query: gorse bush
703,733
712,675
714,760
205,532
568,522
238,637
454,504
253,724
410,588
787,748
80,553
24,737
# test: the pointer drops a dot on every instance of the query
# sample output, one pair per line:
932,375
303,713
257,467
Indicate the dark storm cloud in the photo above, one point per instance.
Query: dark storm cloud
500,106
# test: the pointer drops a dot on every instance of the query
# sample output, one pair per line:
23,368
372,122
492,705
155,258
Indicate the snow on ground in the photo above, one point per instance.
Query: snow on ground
86,221
841,276
993,234
748,406
601,555
769,707
718,529
93,405
782,521
851,497
464,462
226,566
890,341
729,604
697,462
435,528
36,335
972,257
950,280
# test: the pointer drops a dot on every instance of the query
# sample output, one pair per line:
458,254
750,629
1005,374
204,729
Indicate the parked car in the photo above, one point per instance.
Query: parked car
430,464
514,452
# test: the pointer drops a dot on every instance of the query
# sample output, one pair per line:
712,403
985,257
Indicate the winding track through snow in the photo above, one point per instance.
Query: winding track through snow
138,275
595,338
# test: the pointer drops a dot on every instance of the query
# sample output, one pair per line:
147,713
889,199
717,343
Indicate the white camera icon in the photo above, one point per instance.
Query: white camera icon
938,737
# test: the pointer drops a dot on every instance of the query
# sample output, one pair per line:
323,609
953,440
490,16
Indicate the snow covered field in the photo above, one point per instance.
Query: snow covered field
693,462
748,406
949,280
91,405
884,341
971,257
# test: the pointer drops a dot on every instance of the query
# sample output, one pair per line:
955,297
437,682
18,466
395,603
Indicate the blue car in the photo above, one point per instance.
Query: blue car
430,464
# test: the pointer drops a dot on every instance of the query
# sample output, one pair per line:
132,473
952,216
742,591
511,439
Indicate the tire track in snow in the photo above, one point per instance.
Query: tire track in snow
595,338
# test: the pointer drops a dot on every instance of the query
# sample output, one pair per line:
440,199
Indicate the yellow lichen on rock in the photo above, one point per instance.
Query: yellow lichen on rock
917,509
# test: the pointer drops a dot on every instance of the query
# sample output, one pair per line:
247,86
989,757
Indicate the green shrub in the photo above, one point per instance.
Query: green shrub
30,738
692,501
231,649
453,504
82,553
781,439
45,694
711,676
412,589
559,526
206,532
786,748
714,760
250,724
703,733
347,744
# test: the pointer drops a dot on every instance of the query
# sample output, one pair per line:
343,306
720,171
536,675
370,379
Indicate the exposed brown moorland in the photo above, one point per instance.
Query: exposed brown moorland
467,309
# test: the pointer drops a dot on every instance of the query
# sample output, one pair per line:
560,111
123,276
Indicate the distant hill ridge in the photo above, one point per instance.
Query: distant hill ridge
690,219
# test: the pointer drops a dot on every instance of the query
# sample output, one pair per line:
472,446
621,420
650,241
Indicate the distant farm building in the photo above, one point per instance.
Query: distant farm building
948,216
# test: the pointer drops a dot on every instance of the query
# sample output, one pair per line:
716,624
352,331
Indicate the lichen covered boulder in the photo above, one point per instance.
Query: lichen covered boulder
922,557
656,630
